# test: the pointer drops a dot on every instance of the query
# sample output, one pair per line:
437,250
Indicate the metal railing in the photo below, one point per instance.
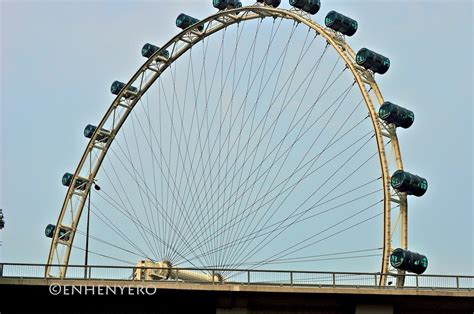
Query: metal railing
248,276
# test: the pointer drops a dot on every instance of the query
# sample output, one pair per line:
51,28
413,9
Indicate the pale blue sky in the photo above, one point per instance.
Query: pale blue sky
58,59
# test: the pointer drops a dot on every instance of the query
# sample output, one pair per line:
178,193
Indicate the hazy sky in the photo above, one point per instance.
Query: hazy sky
58,59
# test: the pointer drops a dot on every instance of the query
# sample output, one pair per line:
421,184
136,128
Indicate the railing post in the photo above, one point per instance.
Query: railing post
375,279
177,275
416,281
291,278
1,270
213,273
248,277
457,282
333,279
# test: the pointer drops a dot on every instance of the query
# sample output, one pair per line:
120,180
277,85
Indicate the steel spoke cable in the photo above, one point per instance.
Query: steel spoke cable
168,161
263,243
195,116
262,63
175,191
319,255
248,91
207,212
224,82
222,72
273,163
166,228
113,245
296,261
112,200
207,138
102,255
205,117
264,158
179,169
213,118
320,186
114,228
125,193
308,257
335,233
155,253
256,179
244,105
258,169
257,235
294,248
155,221
147,210
286,253
134,220
251,167
231,118
168,220
122,208
273,98
168,110
301,161
156,202
323,164
178,139
360,166
174,183
334,142
249,80
238,242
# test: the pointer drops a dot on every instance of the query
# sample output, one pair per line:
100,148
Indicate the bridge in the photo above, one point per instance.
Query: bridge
243,291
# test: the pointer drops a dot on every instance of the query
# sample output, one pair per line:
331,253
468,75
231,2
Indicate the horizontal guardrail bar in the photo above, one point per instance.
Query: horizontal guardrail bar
247,276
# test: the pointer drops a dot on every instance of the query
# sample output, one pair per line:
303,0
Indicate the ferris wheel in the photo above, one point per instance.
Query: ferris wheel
255,137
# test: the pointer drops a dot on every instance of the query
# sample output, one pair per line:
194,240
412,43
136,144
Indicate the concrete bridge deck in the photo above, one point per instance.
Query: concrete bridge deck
105,296
245,291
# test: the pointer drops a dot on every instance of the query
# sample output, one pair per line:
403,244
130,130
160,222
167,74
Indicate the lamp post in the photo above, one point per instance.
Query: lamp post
87,228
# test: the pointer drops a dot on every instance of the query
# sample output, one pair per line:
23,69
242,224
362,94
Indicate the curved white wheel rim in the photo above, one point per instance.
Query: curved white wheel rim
150,72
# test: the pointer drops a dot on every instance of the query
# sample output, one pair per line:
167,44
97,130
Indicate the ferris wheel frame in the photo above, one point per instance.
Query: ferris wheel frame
149,72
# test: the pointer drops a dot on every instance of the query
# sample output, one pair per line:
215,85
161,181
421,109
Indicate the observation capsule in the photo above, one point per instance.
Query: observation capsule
341,23
372,61
409,183
183,21
117,87
310,6
226,4
273,3
148,50
101,137
409,261
80,183
49,232
397,115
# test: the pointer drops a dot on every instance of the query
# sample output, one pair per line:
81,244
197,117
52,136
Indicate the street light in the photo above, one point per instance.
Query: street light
97,188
